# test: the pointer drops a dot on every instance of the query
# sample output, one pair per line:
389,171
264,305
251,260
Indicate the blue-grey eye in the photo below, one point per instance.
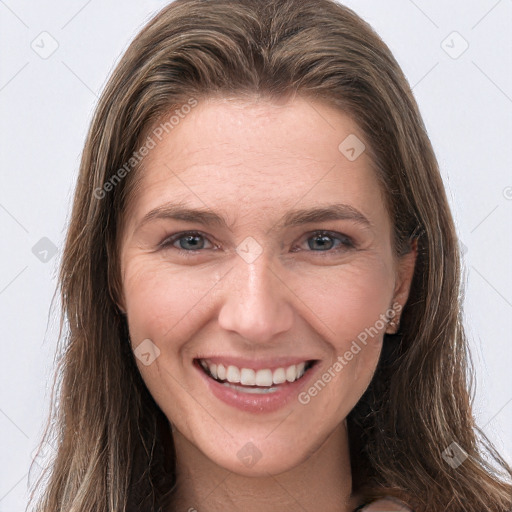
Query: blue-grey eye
185,242
326,241
191,242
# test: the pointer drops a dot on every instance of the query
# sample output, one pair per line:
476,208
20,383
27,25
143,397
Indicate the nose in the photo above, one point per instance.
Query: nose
256,302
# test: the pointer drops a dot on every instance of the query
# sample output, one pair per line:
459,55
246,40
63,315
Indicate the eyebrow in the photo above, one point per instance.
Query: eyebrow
293,218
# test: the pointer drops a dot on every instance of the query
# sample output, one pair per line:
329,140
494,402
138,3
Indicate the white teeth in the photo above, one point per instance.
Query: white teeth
249,377
221,372
279,376
256,391
233,374
264,378
291,373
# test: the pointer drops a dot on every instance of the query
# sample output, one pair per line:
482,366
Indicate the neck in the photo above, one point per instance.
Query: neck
321,482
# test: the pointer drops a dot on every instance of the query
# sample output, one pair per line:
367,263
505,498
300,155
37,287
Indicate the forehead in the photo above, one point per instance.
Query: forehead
238,156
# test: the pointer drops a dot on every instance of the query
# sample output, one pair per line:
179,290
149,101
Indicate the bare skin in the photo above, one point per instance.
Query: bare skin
252,163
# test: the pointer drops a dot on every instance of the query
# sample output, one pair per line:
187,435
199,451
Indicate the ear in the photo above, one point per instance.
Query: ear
121,308
404,273
118,298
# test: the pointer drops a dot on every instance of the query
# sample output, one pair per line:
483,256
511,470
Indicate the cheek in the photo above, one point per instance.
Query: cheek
350,298
337,307
161,300
340,302
348,308
167,306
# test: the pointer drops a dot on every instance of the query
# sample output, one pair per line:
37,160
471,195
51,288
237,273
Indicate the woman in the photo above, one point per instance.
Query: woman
261,279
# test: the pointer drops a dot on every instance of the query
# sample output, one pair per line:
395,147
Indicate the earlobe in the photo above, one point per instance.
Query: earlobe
120,306
405,273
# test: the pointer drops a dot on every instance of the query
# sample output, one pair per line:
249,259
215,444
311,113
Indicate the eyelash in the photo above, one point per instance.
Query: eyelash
346,242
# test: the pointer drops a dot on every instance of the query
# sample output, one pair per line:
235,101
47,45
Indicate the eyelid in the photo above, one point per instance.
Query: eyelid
351,243
346,242
169,240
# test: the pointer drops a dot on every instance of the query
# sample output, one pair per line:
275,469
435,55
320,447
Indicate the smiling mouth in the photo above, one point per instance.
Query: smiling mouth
248,380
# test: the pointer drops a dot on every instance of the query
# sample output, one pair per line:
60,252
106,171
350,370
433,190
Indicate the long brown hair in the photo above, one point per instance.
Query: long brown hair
114,449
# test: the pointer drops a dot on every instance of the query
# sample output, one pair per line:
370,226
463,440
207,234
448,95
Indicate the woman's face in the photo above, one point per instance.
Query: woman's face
287,261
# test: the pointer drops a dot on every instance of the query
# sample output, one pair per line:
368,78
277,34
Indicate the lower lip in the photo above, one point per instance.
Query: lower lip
256,403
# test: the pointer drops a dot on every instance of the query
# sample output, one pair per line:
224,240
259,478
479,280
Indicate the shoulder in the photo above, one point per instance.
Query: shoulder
385,505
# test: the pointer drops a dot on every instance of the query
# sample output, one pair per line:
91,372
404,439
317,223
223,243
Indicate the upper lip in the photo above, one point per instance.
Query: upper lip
256,364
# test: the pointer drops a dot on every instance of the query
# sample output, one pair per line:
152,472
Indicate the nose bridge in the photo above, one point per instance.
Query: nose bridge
256,302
